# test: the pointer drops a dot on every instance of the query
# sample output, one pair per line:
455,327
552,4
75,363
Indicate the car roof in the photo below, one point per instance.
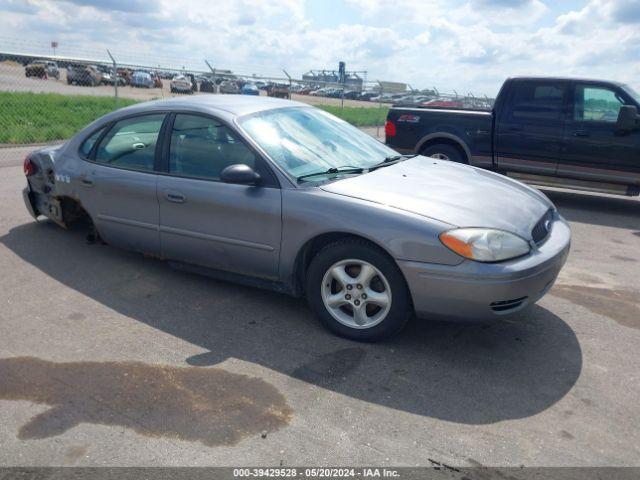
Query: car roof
236,105
569,79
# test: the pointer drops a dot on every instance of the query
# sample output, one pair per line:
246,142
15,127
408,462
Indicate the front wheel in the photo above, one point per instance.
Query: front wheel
358,291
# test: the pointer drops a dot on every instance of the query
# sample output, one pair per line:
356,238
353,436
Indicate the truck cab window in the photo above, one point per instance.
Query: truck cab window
536,101
596,104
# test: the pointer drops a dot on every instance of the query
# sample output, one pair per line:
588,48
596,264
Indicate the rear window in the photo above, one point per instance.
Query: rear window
535,101
87,145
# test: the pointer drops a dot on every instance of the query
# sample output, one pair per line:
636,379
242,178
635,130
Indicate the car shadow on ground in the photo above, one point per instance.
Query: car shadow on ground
472,374
617,212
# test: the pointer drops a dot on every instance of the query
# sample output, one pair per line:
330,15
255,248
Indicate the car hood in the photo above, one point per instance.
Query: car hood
456,194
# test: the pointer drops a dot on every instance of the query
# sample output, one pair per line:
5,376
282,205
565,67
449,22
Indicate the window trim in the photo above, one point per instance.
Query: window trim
109,126
162,167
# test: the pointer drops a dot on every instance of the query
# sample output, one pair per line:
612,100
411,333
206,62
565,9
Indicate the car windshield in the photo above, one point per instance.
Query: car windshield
632,92
305,141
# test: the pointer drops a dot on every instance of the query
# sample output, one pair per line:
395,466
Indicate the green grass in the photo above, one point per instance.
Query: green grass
43,117
358,116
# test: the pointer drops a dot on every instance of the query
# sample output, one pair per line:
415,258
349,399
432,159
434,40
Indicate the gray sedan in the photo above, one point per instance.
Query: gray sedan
278,194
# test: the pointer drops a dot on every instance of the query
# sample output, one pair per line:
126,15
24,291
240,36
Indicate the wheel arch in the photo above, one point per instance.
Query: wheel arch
312,246
72,211
444,138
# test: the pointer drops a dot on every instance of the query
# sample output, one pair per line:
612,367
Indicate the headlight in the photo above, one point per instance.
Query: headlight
485,244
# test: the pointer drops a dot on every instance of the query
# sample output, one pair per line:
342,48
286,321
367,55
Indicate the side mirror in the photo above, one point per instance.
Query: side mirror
240,174
627,118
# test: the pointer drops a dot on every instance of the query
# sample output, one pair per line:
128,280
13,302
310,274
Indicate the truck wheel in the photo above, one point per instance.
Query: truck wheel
357,291
444,151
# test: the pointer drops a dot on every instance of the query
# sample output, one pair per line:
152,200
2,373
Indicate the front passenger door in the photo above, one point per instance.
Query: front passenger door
204,221
595,149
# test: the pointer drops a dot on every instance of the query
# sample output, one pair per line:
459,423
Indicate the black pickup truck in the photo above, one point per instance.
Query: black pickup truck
558,132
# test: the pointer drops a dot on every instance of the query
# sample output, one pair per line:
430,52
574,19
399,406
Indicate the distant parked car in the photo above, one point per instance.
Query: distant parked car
84,75
278,90
250,89
42,69
229,86
366,96
208,85
108,77
194,82
181,84
142,79
352,94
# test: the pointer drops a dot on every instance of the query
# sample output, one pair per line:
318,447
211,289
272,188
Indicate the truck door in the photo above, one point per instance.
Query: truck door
530,127
595,148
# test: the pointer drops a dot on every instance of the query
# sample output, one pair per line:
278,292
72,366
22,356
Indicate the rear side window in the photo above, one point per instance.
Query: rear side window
202,147
131,143
87,145
535,101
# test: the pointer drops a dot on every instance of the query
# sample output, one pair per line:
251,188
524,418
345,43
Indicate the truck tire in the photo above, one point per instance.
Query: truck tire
357,291
444,151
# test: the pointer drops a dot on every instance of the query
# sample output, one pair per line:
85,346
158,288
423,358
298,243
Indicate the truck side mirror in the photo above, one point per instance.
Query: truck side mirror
627,118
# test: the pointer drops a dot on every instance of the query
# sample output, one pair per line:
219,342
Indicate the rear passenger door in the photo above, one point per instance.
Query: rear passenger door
204,221
530,129
117,182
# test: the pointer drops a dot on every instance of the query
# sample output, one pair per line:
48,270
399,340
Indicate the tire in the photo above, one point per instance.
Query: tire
444,151
376,320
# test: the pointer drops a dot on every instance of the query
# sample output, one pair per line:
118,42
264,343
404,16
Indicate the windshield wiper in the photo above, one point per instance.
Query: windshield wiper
391,160
332,170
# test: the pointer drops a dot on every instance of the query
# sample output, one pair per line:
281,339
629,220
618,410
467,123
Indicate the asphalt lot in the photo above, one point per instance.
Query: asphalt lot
109,358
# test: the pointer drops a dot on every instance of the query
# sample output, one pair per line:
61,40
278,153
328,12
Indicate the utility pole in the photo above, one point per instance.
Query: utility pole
289,77
115,77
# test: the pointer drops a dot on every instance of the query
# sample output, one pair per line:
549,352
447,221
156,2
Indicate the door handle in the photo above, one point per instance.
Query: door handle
138,146
580,133
175,197
86,181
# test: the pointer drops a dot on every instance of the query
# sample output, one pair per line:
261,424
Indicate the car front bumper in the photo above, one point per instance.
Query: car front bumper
479,291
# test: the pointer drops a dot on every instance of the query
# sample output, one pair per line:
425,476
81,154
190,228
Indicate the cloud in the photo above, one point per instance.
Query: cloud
131,6
466,45
626,11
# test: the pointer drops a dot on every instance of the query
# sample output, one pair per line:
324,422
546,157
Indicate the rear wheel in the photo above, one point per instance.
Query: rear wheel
444,151
357,291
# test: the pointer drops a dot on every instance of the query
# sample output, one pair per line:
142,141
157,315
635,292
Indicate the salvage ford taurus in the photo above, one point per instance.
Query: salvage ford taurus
279,194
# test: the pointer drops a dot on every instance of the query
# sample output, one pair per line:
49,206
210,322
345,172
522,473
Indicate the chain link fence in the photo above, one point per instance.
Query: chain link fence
45,99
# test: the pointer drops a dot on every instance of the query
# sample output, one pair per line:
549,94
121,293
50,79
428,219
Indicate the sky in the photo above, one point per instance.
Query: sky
461,45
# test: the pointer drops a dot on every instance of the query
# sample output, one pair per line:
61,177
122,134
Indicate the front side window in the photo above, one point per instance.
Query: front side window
131,143
202,147
307,140
596,104
535,101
